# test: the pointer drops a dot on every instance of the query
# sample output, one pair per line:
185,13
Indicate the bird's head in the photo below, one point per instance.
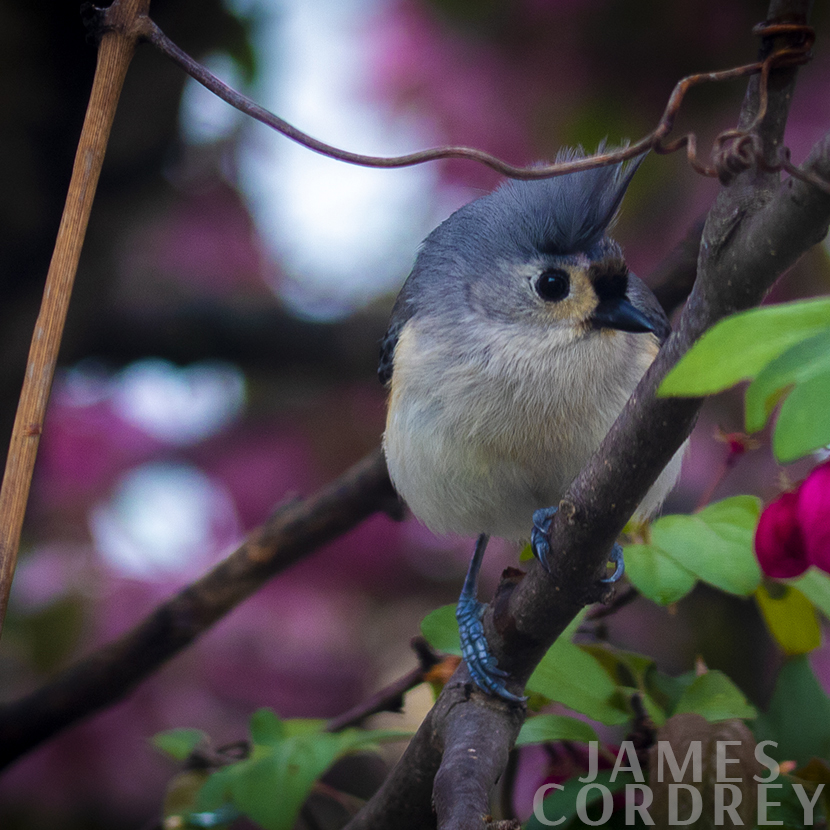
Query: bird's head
538,253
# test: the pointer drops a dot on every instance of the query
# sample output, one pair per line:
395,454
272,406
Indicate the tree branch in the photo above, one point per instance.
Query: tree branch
114,670
390,698
673,279
755,231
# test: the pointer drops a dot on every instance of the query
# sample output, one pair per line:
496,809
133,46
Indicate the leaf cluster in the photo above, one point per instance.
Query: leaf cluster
785,350
272,783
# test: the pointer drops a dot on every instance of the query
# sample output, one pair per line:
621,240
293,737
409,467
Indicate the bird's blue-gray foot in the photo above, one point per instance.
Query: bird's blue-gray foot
539,542
616,557
474,648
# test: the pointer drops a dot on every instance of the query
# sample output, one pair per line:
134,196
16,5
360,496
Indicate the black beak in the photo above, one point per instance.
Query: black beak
618,313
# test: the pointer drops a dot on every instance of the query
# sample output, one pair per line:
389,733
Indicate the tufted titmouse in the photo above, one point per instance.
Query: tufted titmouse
514,344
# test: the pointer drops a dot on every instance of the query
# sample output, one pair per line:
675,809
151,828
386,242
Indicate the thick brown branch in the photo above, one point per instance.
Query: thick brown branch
752,235
476,746
739,262
112,672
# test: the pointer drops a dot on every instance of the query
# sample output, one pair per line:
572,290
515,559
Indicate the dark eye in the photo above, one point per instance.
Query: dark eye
553,285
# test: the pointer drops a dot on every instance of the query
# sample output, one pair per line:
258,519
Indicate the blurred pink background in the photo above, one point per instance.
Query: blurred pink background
220,352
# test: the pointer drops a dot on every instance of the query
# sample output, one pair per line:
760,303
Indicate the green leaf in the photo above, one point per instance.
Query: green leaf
815,585
288,757
440,629
714,696
622,700
632,673
266,727
303,726
362,740
181,795
740,346
801,376
668,690
271,789
786,348
540,729
802,362
178,743
798,718
216,791
626,668
569,675
715,543
741,511
656,575
566,674
656,712
790,618
803,424
526,553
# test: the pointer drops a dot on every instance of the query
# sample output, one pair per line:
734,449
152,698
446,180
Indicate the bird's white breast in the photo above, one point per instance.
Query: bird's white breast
476,441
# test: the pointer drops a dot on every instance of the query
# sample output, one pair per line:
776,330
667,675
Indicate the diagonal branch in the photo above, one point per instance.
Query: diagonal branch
755,231
113,671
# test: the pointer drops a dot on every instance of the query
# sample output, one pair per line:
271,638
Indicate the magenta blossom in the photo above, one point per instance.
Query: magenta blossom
779,543
814,516
794,530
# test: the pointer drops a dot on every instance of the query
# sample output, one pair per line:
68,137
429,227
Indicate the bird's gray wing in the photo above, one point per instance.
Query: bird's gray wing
642,298
402,312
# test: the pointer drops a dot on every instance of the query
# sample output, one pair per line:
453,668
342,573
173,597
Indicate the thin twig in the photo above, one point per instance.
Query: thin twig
725,146
390,698
507,784
737,446
619,600
114,55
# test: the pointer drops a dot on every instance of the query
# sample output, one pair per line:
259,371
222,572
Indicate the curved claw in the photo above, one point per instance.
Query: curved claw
539,542
476,653
616,556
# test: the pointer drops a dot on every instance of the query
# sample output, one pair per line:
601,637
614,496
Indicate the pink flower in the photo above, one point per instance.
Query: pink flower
814,516
779,542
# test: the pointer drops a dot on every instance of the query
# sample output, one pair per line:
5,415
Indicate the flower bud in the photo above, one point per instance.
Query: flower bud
779,543
814,516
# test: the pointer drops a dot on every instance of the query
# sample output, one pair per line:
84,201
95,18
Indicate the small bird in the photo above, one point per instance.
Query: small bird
512,347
